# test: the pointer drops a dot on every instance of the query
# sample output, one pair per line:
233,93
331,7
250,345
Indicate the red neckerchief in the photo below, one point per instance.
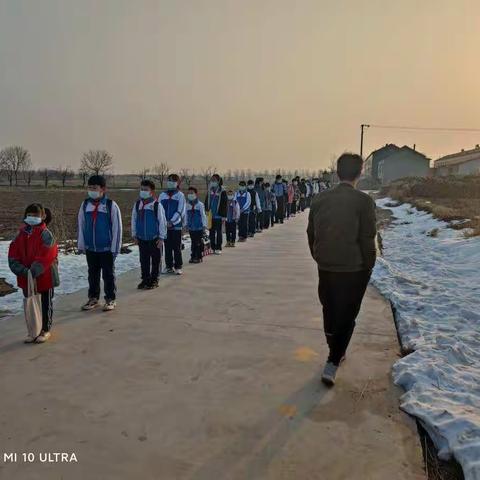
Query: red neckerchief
96,204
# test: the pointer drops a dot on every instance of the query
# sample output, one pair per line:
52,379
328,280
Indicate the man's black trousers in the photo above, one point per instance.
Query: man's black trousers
173,249
197,244
150,256
280,209
243,225
101,263
341,295
216,234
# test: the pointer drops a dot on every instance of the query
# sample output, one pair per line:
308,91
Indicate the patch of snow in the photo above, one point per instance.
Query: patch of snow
434,285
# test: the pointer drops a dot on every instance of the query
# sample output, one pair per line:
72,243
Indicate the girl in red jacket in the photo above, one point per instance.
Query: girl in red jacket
35,249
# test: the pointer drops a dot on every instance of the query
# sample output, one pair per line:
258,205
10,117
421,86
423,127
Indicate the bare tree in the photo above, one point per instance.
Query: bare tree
28,175
83,174
161,172
13,161
187,176
207,172
64,174
97,162
143,173
45,174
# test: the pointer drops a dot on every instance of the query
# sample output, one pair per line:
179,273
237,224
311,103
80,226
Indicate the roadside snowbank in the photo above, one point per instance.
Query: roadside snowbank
434,284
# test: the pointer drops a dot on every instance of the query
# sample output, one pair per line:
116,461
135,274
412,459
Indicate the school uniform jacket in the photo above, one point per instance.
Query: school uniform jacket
233,211
173,202
244,199
145,224
255,202
196,217
216,199
279,189
34,249
99,226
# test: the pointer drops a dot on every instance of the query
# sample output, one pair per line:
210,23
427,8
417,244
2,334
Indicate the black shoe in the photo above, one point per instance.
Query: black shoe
153,284
192,260
142,285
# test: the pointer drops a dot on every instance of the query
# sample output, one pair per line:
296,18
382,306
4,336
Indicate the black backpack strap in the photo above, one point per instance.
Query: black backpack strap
155,208
137,206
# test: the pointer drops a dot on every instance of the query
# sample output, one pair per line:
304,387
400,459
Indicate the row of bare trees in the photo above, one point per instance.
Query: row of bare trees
16,165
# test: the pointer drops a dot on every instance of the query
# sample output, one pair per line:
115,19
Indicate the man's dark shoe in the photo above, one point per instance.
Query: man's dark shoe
142,285
153,284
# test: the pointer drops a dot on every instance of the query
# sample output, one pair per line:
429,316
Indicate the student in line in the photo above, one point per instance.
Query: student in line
285,198
233,216
196,224
267,211
273,212
290,193
260,189
216,204
341,236
303,195
296,196
255,208
244,200
173,203
149,231
279,191
100,238
34,250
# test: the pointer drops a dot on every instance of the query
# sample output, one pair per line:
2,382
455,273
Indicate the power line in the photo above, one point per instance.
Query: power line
430,129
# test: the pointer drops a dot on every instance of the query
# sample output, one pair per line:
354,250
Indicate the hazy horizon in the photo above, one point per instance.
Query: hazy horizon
238,84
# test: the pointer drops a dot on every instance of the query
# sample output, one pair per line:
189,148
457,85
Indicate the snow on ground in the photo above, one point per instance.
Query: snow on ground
434,284
73,273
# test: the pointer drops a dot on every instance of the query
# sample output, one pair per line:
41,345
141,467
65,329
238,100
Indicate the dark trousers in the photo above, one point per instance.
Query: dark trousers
273,214
47,310
101,263
216,234
173,249
260,220
285,205
150,256
243,225
231,231
293,208
267,215
197,244
280,209
308,202
341,295
301,205
252,222
289,209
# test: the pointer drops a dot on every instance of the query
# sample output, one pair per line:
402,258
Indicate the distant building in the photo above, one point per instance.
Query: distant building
405,162
465,162
371,163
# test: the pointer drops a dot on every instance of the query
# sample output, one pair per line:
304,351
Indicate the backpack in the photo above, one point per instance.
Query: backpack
155,207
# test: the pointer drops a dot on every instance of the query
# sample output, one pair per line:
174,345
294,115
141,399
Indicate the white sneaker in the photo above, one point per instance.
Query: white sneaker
109,306
43,337
329,374
29,339
169,271
217,252
179,271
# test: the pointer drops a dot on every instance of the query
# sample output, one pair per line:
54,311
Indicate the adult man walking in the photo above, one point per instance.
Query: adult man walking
341,235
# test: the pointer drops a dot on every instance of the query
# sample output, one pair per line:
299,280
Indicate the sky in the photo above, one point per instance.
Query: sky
259,84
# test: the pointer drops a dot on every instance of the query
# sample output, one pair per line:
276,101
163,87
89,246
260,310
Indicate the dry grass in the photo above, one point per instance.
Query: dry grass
446,198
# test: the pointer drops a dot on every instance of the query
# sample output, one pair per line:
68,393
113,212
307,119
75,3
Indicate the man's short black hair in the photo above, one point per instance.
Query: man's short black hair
192,189
349,166
97,180
148,183
242,182
173,177
278,177
250,182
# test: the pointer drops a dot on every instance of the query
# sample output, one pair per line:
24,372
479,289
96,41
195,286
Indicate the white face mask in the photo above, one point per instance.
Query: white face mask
250,187
242,188
230,197
144,194
29,220
214,184
171,185
94,194
191,196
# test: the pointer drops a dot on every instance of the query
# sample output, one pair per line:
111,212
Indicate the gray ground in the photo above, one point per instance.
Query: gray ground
212,376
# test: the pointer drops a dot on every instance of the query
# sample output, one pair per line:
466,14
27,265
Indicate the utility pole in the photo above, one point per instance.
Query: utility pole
362,127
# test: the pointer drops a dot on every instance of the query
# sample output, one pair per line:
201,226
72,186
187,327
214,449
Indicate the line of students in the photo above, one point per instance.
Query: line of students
157,224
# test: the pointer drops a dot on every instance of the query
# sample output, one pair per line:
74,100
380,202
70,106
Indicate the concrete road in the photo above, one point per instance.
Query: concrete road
215,375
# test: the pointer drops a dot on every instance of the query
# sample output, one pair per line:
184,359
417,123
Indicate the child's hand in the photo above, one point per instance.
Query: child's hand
159,243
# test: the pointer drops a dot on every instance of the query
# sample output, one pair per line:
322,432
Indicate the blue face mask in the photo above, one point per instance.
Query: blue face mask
191,196
94,194
144,194
242,188
171,185
32,221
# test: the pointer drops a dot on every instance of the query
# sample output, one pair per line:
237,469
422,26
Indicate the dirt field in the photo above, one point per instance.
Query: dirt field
447,198
64,204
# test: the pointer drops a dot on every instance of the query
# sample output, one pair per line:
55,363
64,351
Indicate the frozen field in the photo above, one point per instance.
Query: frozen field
431,275
73,273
